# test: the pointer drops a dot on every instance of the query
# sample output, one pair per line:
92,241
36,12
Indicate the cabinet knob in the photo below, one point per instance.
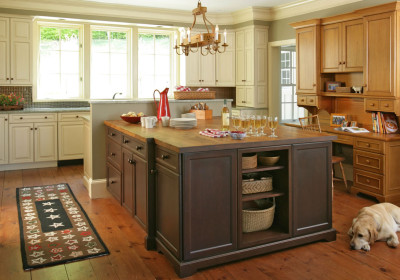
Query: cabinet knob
368,145
5,120
112,182
31,128
153,171
126,141
112,134
138,148
76,116
45,117
368,161
20,118
314,85
131,161
7,79
12,79
35,128
386,105
164,156
372,104
112,154
216,81
340,63
344,62
368,181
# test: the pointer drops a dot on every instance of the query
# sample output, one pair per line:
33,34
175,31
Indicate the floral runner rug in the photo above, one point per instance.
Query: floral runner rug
54,229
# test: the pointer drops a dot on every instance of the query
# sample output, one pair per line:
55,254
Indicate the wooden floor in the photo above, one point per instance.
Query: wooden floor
129,259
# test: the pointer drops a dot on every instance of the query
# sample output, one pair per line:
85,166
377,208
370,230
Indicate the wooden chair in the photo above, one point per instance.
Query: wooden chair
311,123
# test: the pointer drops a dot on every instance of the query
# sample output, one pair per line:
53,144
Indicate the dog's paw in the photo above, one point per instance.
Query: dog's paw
366,247
392,242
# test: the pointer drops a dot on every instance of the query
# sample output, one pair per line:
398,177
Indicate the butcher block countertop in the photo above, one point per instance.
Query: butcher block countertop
189,140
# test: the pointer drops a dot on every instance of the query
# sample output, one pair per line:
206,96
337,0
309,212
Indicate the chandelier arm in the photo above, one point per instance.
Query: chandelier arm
197,48
205,20
223,50
194,22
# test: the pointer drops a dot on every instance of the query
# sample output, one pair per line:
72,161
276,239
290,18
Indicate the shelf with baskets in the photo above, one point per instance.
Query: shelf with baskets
264,195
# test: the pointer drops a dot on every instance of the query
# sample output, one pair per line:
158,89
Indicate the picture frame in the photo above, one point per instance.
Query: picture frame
345,124
337,119
331,86
353,124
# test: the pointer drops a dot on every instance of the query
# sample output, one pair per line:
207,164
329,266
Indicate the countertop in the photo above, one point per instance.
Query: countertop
369,135
189,140
47,110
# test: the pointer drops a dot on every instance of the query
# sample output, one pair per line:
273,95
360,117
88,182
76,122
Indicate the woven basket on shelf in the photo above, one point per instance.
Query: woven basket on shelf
263,185
256,220
194,95
249,161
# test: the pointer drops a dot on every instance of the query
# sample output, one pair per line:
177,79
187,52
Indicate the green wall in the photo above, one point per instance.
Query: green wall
281,30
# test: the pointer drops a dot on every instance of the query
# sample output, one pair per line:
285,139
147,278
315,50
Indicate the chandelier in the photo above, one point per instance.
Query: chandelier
208,43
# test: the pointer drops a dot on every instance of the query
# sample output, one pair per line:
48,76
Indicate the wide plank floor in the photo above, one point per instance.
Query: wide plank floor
129,259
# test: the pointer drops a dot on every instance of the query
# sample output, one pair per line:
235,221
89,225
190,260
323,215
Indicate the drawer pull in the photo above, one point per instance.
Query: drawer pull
368,161
372,104
132,161
20,118
368,145
153,171
164,156
31,128
138,148
5,120
368,181
311,100
126,141
76,116
112,154
45,117
112,134
386,105
112,182
35,128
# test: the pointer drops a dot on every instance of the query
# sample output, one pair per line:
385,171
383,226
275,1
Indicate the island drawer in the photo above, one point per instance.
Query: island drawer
114,182
368,161
114,153
134,145
167,158
113,134
368,181
23,118
369,145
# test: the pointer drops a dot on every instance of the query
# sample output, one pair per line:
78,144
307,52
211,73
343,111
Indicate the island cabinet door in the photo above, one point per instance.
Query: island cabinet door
312,187
209,203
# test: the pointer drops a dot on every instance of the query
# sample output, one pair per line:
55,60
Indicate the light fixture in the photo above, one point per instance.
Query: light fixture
207,42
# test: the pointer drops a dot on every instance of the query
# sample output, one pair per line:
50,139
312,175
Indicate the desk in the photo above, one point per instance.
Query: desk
376,162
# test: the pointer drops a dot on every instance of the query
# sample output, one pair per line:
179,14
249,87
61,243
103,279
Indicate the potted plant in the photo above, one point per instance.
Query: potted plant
11,101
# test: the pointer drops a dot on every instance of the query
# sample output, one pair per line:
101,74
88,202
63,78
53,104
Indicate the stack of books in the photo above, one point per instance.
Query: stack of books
384,122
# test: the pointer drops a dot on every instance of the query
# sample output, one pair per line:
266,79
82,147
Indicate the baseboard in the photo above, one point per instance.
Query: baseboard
96,188
28,165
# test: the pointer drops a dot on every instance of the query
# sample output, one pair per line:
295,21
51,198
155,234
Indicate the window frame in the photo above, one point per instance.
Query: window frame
36,66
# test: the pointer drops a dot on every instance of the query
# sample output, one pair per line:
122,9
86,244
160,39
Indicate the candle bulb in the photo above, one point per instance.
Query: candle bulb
201,37
225,36
216,32
188,34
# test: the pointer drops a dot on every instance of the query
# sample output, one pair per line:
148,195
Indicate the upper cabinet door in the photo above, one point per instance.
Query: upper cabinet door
240,58
379,66
4,51
307,49
353,46
21,51
330,48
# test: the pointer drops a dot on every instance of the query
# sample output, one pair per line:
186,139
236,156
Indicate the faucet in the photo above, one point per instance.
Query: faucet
120,93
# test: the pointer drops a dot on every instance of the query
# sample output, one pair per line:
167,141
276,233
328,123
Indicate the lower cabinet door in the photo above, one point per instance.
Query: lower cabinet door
21,142
114,185
312,187
128,180
141,190
45,141
70,140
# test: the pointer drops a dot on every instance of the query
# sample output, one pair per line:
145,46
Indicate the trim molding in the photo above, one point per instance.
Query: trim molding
134,14
29,165
96,188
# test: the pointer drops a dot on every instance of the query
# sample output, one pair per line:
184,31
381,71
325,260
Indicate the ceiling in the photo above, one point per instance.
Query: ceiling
214,6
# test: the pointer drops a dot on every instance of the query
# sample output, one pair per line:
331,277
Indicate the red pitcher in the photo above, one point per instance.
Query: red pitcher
163,106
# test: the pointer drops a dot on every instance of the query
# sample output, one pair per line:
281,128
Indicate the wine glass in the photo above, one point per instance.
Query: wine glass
252,121
257,125
236,122
272,124
244,123
264,120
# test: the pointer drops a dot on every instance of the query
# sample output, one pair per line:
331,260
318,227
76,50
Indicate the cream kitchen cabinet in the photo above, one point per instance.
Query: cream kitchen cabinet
3,139
342,47
70,135
15,51
32,138
211,70
251,66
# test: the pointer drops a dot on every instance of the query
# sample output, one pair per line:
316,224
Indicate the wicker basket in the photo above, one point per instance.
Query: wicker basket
182,95
263,185
249,161
256,220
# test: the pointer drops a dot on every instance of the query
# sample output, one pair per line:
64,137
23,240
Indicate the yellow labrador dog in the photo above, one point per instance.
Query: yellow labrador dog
377,222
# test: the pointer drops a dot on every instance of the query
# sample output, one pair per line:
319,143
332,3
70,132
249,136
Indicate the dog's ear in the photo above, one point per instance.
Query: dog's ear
373,235
350,232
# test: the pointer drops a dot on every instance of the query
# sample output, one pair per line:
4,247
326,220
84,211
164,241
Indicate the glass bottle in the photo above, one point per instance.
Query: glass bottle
225,117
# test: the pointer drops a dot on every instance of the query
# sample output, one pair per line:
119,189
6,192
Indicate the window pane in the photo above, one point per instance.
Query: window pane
99,41
162,44
49,62
287,111
118,42
287,94
69,39
146,43
70,62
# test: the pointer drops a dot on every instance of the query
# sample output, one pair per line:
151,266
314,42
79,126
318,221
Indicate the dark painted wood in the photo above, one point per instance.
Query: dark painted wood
128,181
168,206
209,203
140,196
150,240
137,147
312,187
114,184
114,153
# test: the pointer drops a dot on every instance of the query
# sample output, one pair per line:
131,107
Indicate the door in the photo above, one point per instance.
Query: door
225,63
207,72
353,46
21,51
312,187
379,66
193,69
240,58
240,96
307,63
330,48
70,140
21,142
249,56
4,51
45,141
3,139
140,191
128,180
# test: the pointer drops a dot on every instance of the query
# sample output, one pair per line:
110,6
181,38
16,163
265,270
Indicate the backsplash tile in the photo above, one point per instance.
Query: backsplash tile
26,92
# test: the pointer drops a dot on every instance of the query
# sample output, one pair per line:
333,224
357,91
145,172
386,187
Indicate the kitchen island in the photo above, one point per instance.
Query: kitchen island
185,189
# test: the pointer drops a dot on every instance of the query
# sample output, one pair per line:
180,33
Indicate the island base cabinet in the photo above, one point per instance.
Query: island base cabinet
312,188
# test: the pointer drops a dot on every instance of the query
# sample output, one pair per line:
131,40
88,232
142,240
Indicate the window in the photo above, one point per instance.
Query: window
60,62
155,69
289,109
109,62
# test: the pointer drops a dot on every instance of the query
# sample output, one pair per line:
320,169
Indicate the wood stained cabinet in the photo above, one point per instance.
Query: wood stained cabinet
342,47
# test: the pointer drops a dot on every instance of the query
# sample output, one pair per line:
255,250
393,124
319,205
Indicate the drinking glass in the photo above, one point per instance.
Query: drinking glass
272,124
257,125
252,124
244,123
236,122
264,120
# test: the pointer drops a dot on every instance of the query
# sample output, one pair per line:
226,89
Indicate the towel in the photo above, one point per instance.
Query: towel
214,133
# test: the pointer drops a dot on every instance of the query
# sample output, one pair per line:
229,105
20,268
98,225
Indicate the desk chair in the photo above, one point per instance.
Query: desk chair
311,123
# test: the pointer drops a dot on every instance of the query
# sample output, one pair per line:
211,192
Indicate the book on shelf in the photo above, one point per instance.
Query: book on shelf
352,129
384,123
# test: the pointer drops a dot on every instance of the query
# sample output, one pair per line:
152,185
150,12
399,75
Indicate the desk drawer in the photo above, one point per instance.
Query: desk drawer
371,104
114,153
301,100
386,105
368,181
24,118
114,134
369,145
343,139
368,161
167,158
312,100
135,146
